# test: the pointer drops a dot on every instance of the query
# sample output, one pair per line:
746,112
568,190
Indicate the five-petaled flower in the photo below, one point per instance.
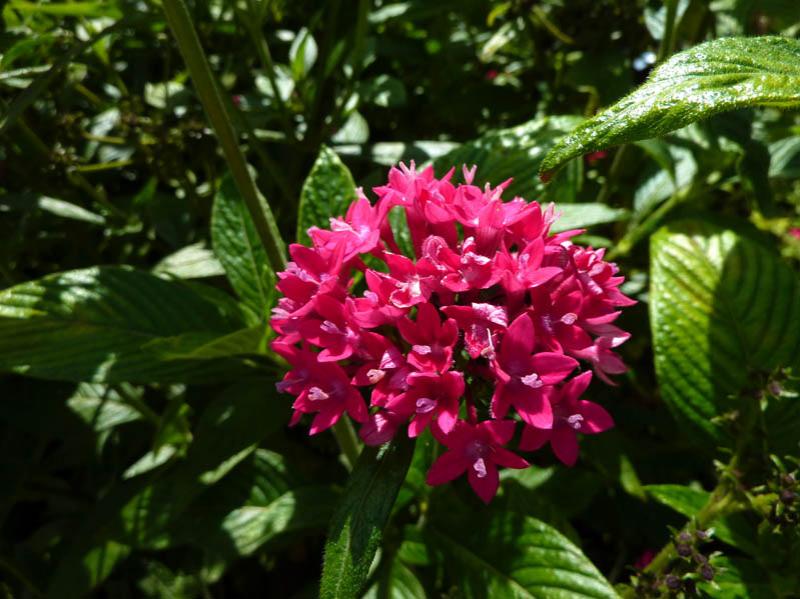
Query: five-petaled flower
480,325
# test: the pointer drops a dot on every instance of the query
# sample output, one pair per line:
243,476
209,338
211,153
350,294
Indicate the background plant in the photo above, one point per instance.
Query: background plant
144,446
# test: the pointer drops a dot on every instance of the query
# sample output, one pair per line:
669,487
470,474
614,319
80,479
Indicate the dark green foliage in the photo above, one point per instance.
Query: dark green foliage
144,450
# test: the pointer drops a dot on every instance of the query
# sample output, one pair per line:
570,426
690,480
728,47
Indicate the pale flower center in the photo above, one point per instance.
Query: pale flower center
575,421
569,318
479,466
422,350
425,405
374,375
532,380
317,394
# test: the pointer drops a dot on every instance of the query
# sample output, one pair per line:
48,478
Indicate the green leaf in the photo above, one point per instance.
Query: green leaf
191,262
90,325
208,346
140,513
510,153
733,529
360,518
101,407
716,76
259,501
723,309
238,247
397,581
505,554
582,216
327,192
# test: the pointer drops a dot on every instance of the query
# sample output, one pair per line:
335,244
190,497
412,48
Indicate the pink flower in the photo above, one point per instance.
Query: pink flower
795,232
476,449
524,377
481,324
571,415
431,341
404,343
430,396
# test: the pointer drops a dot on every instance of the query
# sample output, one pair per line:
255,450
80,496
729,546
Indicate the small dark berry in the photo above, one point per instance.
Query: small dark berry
683,550
788,497
673,582
702,535
707,572
685,537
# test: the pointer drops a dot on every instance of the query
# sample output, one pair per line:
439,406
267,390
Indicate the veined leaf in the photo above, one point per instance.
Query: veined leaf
723,309
207,346
191,262
140,513
504,554
90,325
360,518
327,192
713,77
515,153
239,250
581,216
260,500
397,581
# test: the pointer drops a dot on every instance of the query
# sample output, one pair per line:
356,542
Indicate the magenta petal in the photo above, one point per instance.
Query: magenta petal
519,338
543,275
508,459
533,408
356,407
595,418
565,445
533,438
447,420
553,368
324,420
449,466
485,487
500,431
575,387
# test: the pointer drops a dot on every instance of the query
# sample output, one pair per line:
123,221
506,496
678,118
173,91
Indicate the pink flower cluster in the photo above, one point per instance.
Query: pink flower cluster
480,330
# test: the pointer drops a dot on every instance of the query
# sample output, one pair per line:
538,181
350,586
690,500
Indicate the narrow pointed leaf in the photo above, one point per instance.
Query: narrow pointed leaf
716,76
358,523
239,249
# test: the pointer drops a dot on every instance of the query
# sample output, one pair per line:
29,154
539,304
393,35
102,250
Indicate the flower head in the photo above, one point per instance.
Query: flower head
486,324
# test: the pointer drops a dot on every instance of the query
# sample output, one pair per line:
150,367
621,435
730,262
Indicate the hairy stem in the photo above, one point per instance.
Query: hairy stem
180,22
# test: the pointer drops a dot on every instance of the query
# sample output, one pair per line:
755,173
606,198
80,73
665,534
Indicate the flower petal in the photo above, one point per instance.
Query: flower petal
564,442
486,486
595,418
449,466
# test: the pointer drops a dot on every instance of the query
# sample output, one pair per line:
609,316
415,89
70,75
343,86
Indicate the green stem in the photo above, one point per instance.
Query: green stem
180,22
644,229
348,442
667,45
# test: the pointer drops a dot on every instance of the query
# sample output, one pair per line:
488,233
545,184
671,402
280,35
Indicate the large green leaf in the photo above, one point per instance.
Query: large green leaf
90,325
141,513
515,153
360,518
723,309
713,77
584,215
327,192
262,499
505,554
238,248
